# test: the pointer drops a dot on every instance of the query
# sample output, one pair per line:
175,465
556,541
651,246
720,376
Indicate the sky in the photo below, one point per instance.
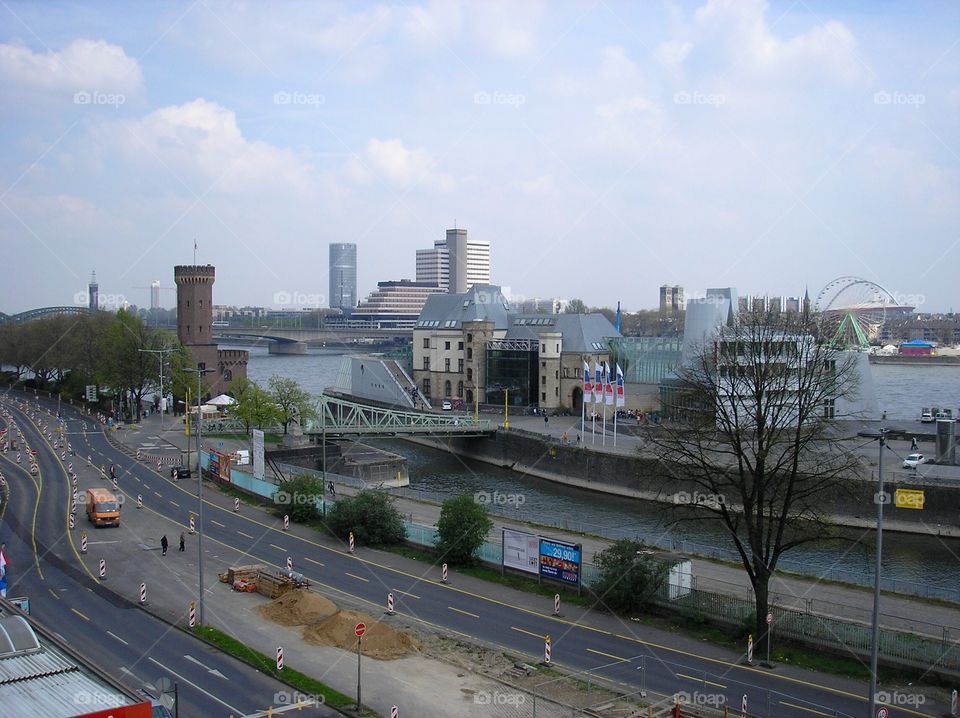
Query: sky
603,148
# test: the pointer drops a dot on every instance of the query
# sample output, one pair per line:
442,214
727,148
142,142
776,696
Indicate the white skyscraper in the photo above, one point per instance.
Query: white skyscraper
456,263
155,294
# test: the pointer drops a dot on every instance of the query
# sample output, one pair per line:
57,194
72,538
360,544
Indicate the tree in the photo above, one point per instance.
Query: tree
629,576
290,400
462,529
298,498
129,369
754,443
576,306
255,406
371,516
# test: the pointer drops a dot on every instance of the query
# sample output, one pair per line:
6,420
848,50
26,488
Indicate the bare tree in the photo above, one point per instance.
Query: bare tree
753,440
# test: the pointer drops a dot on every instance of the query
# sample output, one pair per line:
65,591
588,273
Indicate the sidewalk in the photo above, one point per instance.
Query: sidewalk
901,613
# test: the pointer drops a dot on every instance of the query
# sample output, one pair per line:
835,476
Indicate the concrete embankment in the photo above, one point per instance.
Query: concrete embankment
542,457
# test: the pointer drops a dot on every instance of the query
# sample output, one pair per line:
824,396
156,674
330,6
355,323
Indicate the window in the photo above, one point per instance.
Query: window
558,348
556,391
446,388
543,380
460,366
543,365
426,342
446,367
469,352
201,365
469,374
557,372
460,389
460,346
228,375
426,388
543,348
426,363
188,304
543,396
469,338
446,345
829,409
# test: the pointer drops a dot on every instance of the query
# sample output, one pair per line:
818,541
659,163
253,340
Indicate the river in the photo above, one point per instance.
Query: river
908,558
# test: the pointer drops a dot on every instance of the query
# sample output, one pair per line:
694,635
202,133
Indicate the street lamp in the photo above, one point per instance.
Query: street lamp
880,499
161,352
199,372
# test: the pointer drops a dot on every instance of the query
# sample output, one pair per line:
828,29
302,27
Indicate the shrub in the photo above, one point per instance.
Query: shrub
371,516
297,498
629,576
461,530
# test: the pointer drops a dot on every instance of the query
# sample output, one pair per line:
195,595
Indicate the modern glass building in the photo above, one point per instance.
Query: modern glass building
343,277
512,372
649,360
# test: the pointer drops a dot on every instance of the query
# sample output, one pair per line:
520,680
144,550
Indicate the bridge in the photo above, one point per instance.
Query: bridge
295,340
32,314
339,417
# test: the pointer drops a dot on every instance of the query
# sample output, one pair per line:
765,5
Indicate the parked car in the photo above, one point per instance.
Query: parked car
447,405
926,416
180,472
914,460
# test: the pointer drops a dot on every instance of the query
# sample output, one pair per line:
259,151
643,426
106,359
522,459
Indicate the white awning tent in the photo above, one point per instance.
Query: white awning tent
222,400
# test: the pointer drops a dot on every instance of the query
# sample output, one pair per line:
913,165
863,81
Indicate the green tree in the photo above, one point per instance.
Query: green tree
129,369
576,306
255,407
290,400
629,576
298,498
462,529
371,516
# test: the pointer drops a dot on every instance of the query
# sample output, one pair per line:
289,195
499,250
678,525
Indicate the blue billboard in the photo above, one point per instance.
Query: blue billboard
560,561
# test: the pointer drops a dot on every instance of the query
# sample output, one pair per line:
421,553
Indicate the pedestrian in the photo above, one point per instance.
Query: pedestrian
332,489
578,438
546,419
163,544
182,542
113,471
913,444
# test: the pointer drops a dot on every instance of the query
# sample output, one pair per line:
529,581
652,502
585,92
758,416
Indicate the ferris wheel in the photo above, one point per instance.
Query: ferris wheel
854,309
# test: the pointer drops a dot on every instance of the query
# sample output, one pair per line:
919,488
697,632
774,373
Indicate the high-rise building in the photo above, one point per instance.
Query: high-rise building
455,263
395,304
195,328
671,299
155,294
93,293
343,277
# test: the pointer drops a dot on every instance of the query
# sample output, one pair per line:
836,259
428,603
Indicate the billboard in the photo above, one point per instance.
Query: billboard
219,466
521,551
258,467
560,561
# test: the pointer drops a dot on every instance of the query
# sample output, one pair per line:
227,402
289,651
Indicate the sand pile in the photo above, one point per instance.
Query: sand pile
380,641
298,608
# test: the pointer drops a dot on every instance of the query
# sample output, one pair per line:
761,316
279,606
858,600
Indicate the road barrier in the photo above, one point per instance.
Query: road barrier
286,522
143,594
351,542
546,650
390,611
193,614
103,569
443,573
279,658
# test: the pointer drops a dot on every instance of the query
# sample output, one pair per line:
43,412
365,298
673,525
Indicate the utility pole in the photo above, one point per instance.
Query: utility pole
880,498
199,372
163,399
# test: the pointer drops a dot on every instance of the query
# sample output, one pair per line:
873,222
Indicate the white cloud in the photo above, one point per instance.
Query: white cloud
542,185
83,65
398,165
506,29
439,22
672,53
627,106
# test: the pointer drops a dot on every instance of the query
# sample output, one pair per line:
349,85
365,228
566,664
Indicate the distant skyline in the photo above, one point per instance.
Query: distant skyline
602,148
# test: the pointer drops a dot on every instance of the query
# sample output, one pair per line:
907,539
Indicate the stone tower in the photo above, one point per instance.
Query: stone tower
93,293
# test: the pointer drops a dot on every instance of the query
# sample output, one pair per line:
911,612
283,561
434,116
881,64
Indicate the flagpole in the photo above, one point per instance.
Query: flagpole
614,421
603,434
583,412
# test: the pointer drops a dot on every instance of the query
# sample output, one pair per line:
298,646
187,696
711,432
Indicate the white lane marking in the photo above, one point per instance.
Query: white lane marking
236,711
114,635
246,535
214,671
223,526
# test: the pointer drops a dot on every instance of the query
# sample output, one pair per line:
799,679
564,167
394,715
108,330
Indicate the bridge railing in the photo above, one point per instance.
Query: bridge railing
339,415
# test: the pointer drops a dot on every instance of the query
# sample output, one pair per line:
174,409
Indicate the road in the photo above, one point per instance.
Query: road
618,653
126,642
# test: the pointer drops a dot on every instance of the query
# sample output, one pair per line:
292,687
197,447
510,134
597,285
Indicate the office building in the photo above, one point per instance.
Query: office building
343,277
671,299
393,305
455,263
93,293
155,294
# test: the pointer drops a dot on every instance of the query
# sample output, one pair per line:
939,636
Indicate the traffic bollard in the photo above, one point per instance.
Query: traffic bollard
103,569
443,573
390,610
286,522
143,594
236,505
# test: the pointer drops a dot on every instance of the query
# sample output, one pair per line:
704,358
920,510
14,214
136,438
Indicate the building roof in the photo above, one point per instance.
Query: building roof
582,333
480,303
917,344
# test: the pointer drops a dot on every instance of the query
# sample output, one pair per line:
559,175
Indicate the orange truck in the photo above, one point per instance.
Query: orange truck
103,509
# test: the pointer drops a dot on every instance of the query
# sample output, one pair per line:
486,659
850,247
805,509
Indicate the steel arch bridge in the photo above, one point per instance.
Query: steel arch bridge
31,314
339,417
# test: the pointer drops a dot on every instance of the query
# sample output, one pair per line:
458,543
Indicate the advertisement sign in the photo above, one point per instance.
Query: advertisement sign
521,551
140,710
213,465
560,561
258,465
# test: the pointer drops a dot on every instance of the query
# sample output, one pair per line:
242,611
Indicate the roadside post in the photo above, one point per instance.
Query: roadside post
139,501
143,594
769,637
72,521
390,611
443,570
83,542
279,658
103,569
750,649
289,563
286,522
556,604
236,505
546,650
193,614
359,629
351,542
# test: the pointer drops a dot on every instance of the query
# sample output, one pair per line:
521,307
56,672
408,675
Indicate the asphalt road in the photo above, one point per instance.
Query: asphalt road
621,655
125,641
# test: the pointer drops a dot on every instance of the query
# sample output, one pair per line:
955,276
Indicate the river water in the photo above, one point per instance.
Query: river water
926,564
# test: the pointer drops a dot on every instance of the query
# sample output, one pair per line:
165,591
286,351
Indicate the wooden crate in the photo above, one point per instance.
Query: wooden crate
273,585
244,572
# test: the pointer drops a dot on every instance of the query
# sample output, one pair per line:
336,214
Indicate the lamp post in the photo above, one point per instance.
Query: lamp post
199,372
160,352
880,499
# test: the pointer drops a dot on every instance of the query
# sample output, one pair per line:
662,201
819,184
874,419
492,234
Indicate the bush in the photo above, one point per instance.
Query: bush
297,498
461,530
371,516
629,576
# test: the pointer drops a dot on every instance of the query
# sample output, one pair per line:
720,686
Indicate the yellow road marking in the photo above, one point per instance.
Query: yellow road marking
608,655
699,680
465,613
359,578
809,710
529,633
79,614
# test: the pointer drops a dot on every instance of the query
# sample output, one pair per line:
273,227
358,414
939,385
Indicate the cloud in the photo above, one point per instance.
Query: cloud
83,65
398,165
200,142
542,185
672,54
436,23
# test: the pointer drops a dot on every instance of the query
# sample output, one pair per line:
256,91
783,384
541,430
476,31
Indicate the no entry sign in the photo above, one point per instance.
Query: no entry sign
360,629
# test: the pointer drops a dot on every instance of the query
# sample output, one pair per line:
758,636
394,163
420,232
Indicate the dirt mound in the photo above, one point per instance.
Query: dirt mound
380,641
298,608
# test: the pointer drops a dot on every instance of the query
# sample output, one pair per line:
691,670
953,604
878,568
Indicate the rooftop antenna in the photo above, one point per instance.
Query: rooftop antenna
194,251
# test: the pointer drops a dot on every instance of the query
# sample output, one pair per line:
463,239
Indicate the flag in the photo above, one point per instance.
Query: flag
587,384
621,398
3,561
608,390
597,384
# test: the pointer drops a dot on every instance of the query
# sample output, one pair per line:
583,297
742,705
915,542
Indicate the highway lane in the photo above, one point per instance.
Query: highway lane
667,669
127,642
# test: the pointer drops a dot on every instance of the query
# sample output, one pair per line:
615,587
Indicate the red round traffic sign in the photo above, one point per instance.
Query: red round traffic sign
360,629
769,618
882,712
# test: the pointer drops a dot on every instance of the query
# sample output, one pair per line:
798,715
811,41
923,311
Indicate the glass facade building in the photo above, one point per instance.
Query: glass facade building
343,277
512,369
649,360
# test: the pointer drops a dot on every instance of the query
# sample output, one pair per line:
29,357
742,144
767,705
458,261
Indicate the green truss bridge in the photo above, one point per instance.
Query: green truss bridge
339,417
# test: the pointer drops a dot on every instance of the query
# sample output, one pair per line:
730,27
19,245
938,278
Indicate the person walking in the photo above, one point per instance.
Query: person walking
163,545
182,542
913,444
